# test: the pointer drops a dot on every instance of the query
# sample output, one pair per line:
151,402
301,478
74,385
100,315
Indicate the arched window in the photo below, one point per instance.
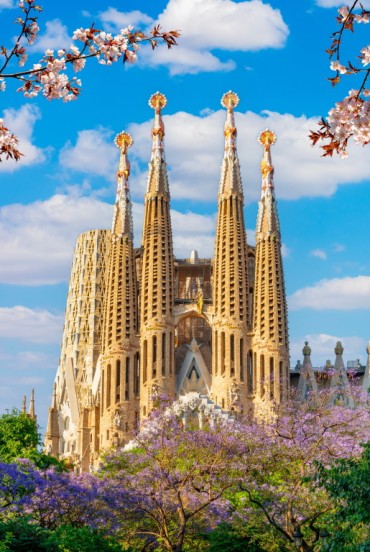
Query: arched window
109,384
242,360
250,372
127,379
118,381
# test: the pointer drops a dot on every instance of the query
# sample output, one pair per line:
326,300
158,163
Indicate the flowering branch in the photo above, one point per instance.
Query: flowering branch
350,118
50,76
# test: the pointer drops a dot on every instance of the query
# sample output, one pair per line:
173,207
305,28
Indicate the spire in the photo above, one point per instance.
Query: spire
307,380
267,220
122,216
54,401
230,182
31,411
24,404
339,383
157,180
366,380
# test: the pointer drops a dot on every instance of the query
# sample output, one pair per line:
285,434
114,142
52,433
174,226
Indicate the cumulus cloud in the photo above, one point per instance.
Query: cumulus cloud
114,20
337,294
322,348
319,253
82,156
208,25
21,122
24,324
55,37
51,227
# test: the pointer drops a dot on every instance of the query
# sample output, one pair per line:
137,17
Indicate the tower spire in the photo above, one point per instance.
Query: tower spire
339,383
157,180
230,277
31,411
157,289
270,310
122,216
366,380
230,182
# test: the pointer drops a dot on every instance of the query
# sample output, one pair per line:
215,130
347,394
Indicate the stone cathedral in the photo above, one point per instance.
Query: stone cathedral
140,322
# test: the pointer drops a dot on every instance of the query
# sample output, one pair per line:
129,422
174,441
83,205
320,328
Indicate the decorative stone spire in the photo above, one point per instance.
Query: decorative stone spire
339,383
270,309
230,181
31,411
122,216
267,219
157,179
157,286
24,405
307,381
120,346
366,380
230,277
51,443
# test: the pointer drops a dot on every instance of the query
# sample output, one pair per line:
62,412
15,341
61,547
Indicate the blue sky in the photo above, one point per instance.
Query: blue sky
273,55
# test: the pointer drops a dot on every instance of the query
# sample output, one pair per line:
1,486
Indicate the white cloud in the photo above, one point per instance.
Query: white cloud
82,156
339,247
21,122
24,324
337,294
194,150
114,20
51,227
6,4
55,37
322,348
319,253
207,25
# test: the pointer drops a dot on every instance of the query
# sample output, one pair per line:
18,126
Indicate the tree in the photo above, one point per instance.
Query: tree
51,75
19,438
177,478
348,483
279,475
350,118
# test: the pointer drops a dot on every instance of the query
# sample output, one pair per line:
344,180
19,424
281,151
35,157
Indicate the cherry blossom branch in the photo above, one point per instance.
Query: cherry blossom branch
50,77
350,118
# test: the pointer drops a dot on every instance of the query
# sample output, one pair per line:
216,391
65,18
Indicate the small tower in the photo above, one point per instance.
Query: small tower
307,381
157,275
270,341
339,384
366,380
119,390
232,358
52,435
32,412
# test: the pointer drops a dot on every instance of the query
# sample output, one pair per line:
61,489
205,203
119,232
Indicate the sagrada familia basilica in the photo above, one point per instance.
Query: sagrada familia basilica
140,323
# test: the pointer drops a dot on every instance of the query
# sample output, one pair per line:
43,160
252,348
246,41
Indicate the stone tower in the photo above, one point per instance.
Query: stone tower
119,380
231,366
307,380
270,328
157,275
78,371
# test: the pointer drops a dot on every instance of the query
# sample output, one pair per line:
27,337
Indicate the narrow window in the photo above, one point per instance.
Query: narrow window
118,381
163,354
145,360
242,360
127,379
109,376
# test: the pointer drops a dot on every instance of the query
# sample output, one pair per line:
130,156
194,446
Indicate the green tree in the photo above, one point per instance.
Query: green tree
19,438
348,483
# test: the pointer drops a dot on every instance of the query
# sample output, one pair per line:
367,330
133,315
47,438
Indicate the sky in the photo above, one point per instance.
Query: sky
272,54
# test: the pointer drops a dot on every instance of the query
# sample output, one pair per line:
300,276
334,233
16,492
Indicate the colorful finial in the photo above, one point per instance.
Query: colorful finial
123,141
230,100
157,101
267,138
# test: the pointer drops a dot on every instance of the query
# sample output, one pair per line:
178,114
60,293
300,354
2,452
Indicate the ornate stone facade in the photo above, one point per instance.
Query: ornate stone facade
140,323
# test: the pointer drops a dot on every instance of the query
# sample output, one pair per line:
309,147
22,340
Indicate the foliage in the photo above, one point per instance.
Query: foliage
227,537
350,118
19,438
50,76
348,483
18,535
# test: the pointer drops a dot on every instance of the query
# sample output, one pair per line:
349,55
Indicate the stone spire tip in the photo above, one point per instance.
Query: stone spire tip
230,100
